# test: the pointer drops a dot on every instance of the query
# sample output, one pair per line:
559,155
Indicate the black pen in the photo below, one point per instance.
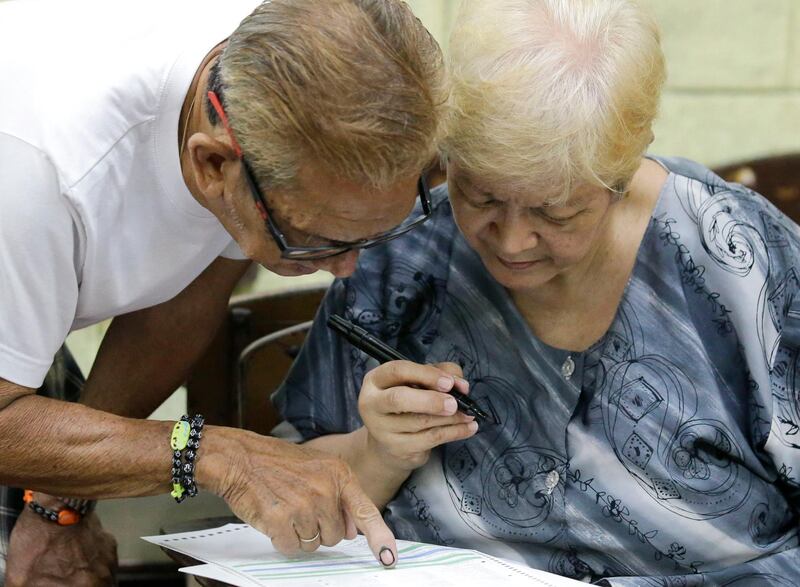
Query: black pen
383,353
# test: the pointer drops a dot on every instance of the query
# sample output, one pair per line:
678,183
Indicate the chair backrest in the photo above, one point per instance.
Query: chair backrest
776,178
261,368
214,387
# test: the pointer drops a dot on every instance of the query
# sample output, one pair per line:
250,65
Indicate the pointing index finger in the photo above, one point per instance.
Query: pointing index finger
368,519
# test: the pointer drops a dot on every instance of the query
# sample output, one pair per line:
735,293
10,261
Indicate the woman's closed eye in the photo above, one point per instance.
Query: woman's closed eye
473,197
482,203
557,219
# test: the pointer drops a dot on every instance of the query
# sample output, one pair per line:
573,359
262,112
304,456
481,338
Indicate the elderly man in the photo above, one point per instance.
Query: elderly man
143,147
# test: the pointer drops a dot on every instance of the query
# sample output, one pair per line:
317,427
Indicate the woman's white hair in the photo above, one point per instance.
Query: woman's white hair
550,94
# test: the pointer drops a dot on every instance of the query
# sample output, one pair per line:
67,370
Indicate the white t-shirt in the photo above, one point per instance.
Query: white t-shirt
95,219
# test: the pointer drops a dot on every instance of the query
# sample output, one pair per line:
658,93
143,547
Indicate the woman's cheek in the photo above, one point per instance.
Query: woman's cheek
465,221
568,249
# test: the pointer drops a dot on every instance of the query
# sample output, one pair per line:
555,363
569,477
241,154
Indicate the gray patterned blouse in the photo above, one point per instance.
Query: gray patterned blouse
666,454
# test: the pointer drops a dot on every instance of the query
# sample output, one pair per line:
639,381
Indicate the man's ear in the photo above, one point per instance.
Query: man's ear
209,156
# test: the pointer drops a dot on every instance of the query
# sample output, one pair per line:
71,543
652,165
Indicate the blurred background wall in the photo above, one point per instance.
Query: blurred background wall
733,90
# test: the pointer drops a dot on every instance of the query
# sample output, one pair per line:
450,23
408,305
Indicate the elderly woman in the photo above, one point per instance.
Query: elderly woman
630,323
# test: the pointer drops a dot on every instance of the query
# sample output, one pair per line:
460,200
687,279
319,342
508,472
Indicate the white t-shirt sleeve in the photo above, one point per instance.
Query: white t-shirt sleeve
232,251
38,258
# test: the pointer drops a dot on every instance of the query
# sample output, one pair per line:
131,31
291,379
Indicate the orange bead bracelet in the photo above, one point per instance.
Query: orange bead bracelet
66,516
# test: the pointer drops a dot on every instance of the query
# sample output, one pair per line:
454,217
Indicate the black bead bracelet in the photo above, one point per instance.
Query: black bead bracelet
185,444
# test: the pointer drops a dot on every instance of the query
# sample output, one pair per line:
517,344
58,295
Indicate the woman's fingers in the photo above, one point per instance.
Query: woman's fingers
408,408
403,387
407,400
406,373
433,437
413,434
455,370
412,423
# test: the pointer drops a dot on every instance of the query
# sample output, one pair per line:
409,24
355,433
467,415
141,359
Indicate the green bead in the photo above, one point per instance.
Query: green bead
177,490
180,435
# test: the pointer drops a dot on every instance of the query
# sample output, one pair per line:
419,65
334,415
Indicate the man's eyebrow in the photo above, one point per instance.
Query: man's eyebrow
332,241
300,233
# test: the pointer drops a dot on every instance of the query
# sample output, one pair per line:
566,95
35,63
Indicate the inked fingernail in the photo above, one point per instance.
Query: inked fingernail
445,383
450,406
387,557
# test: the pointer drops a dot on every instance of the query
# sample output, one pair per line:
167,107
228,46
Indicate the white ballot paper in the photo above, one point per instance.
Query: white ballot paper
240,555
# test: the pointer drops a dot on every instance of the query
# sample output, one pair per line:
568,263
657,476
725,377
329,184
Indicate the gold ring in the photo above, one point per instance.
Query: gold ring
309,540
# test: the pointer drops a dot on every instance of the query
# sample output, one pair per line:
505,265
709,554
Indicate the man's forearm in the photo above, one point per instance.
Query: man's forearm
66,449
61,448
147,354
377,477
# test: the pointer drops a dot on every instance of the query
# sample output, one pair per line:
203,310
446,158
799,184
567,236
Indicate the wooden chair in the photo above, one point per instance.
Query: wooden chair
249,358
776,178
260,369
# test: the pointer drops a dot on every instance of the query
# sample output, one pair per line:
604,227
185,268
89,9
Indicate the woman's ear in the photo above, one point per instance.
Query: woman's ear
209,156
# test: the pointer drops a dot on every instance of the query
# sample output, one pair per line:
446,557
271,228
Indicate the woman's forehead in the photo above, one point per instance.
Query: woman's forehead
533,192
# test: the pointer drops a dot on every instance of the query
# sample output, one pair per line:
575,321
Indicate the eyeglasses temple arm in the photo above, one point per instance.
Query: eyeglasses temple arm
217,105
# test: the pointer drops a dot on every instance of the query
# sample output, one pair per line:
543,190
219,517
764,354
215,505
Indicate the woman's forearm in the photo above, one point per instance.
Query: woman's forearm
376,474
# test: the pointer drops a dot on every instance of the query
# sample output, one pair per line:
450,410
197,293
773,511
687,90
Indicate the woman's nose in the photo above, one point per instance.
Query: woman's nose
514,234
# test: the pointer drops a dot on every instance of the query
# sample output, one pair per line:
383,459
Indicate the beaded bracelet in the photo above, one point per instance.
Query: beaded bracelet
82,506
66,516
185,442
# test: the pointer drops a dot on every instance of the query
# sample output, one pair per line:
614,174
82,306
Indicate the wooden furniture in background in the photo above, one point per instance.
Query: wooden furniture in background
212,387
776,178
260,369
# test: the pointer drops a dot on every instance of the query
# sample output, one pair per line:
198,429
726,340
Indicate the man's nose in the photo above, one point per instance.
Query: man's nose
341,265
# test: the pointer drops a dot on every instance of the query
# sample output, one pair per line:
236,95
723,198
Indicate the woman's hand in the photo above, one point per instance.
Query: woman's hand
407,411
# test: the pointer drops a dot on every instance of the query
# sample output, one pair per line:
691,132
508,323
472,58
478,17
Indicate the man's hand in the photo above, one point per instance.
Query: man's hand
45,554
407,412
297,496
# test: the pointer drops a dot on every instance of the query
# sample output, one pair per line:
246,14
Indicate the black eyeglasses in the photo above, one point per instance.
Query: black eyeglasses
335,247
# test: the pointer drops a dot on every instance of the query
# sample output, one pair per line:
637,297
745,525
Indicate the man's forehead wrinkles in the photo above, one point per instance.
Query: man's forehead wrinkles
322,224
